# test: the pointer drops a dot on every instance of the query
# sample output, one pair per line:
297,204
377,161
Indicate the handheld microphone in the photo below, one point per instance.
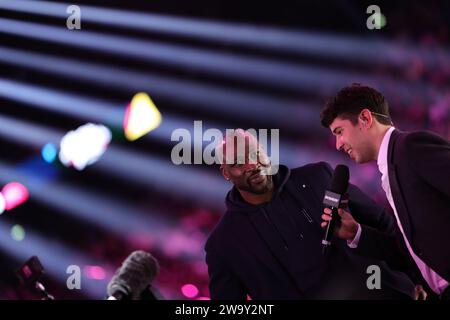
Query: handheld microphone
333,199
133,277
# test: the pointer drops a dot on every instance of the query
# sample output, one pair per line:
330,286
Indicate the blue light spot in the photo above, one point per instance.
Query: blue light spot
49,152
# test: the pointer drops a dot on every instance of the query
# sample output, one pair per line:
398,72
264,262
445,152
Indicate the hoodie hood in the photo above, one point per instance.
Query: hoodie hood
235,202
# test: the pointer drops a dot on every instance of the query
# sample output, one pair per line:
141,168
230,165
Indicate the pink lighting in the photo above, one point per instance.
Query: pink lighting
189,291
95,272
14,194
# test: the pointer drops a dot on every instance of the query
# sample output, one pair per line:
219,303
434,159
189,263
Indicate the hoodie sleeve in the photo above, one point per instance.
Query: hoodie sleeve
378,226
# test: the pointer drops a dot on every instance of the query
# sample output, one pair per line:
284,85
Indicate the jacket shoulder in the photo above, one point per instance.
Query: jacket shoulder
413,138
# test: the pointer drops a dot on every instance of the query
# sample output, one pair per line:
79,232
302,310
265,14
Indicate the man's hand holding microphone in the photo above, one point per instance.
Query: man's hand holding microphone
345,228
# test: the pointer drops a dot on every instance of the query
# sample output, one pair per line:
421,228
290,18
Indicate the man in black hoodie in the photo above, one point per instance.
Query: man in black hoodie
268,243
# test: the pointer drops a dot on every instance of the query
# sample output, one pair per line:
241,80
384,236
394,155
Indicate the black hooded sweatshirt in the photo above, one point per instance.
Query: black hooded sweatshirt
274,250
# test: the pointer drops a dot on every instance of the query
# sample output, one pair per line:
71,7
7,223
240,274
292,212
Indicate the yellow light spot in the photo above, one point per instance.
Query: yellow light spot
142,116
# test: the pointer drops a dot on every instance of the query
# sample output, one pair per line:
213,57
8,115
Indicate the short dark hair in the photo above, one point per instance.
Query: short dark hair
349,102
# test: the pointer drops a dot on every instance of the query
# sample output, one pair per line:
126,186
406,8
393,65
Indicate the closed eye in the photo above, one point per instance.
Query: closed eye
337,131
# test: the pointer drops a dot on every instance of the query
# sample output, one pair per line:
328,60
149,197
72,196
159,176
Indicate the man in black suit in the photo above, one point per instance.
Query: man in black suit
415,168
268,243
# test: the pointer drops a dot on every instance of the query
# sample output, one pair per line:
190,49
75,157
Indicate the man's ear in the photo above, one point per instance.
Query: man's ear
224,173
365,116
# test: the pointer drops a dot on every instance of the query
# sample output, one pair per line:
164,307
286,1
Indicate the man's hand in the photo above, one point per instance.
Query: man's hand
420,293
347,227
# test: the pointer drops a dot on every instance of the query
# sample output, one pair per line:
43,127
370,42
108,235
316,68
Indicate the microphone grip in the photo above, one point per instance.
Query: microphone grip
326,242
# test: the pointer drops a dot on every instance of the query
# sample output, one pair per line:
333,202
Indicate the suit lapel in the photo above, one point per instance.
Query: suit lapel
396,190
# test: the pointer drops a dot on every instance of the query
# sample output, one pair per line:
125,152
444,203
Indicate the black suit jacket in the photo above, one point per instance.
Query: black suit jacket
419,176
251,251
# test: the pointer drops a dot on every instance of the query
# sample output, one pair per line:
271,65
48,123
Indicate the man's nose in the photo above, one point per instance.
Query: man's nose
252,166
339,144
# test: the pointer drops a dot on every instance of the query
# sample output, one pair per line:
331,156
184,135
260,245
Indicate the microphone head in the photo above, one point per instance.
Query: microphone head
339,182
134,276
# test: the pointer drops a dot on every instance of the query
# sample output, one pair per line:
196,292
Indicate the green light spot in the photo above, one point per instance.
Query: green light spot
380,20
17,233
